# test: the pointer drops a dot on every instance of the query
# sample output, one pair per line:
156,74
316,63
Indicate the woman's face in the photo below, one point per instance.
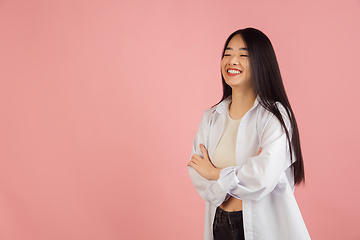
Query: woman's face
235,65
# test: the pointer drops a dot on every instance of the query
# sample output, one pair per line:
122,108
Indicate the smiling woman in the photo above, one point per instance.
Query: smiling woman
235,65
246,157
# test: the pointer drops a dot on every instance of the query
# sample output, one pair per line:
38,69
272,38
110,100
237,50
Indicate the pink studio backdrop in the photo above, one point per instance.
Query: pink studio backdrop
100,101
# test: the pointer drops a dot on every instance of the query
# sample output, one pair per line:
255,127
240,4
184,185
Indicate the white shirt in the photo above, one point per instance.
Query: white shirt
264,183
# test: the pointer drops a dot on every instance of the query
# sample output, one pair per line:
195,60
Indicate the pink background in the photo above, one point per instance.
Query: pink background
100,101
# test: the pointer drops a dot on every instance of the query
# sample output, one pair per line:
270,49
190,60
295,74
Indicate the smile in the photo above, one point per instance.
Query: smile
233,72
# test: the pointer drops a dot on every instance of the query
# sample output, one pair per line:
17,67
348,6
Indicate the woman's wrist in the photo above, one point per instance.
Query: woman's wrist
215,174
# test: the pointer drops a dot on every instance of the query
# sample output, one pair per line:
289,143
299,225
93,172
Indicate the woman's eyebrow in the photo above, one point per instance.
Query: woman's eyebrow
229,48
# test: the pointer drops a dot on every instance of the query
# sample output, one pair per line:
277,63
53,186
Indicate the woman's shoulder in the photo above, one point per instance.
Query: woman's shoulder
266,116
268,113
208,115
216,110
210,112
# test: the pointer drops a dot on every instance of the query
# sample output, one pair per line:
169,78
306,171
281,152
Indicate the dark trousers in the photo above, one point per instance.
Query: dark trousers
228,225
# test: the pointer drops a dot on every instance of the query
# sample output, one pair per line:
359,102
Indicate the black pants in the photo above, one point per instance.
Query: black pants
228,225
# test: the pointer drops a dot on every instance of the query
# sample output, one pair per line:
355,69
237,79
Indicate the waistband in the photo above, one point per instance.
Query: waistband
223,215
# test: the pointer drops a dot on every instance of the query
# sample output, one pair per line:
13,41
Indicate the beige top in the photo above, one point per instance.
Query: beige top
224,155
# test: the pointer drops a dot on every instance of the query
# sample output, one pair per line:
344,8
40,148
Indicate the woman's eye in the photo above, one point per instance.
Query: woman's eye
244,55
227,55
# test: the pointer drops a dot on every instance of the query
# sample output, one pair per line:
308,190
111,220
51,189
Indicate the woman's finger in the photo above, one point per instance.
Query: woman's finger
196,157
204,151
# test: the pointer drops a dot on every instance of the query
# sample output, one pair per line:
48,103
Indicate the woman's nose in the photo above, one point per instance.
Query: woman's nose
234,60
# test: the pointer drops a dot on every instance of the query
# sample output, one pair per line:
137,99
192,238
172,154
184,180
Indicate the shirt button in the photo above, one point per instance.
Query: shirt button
248,230
240,142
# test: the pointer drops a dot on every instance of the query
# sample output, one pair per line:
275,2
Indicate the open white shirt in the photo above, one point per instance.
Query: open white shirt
264,183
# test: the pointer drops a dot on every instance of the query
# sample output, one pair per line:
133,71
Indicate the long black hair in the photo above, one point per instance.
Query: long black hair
268,85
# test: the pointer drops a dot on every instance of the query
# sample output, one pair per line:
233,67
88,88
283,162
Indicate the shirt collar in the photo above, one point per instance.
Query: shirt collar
223,106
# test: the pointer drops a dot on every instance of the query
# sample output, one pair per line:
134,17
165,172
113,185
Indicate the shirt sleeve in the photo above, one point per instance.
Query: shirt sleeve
260,174
209,190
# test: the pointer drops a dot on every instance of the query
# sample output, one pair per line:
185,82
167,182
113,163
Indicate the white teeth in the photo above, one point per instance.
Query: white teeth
233,71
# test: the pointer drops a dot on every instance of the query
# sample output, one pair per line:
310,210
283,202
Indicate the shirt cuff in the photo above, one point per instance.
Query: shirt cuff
214,193
228,179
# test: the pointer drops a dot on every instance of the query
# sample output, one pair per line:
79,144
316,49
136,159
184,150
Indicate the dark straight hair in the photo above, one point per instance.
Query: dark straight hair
268,85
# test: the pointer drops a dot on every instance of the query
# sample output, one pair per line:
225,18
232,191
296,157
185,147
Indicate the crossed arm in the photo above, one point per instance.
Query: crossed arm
204,166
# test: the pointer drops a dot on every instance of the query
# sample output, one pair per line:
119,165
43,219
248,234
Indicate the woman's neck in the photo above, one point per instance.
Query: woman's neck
241,103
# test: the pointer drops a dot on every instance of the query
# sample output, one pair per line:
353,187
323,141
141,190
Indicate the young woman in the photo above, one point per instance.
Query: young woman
246,157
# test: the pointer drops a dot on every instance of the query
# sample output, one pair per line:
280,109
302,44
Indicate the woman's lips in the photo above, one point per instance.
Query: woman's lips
233,72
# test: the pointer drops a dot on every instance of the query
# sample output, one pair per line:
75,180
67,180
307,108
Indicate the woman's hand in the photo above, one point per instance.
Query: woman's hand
204,166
